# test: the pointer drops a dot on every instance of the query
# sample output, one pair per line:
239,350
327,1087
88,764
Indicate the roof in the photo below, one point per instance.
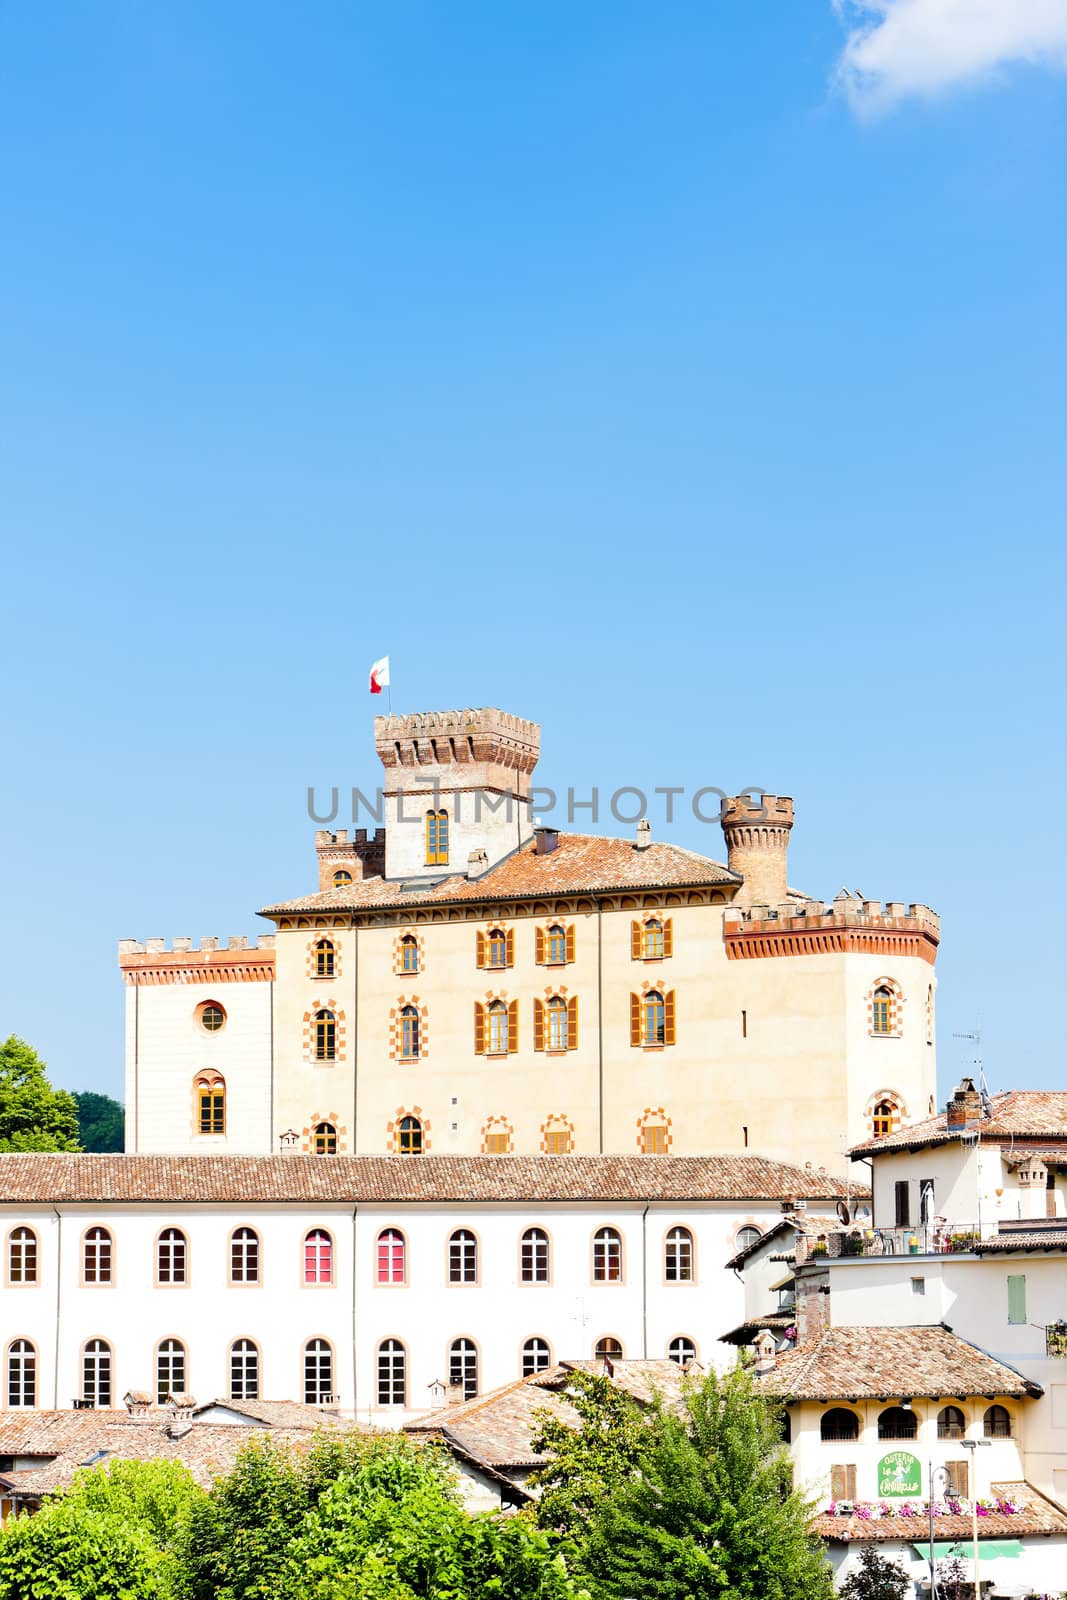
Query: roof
496,1429
1054,1239
878,1363
795,1222
396,1179
746,1331
1035,1515
580,864
1016,1114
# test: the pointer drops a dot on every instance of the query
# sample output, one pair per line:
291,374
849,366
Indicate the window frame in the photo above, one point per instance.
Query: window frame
235,1353
669,1241
237,1241
463,1258
171,1348
99,1352
390,1353
395,1241
95,1236
28,1275
543,1243
174,1242
317,1236
317,1348
22,1352
324,962
410,1033
686,1339
470,1356
410,1135
601,1255
529,1368
324,1134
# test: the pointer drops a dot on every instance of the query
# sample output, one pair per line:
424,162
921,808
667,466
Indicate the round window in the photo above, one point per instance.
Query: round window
211,1016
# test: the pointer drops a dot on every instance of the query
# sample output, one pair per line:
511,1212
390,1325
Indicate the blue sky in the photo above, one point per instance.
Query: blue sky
689,378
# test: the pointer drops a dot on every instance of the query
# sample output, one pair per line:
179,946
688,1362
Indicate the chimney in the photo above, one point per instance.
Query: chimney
644,834
766,1352
454,1395
477,863
545,840
289,1142
137,1402
964,1110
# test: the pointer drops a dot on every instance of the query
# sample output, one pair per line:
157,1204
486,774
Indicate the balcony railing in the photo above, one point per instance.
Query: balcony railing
935,1238
1056,1340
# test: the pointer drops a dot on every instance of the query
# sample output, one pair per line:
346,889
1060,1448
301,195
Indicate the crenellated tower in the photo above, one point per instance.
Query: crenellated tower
757,831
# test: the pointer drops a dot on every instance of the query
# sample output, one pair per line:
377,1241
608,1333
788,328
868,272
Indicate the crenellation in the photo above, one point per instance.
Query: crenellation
181,945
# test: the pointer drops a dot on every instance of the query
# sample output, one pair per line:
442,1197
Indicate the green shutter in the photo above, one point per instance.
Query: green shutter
1017,1298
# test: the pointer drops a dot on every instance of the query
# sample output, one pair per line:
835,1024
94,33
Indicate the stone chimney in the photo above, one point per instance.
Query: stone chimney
766,1352
454,1395
964,1110
756,827
644,834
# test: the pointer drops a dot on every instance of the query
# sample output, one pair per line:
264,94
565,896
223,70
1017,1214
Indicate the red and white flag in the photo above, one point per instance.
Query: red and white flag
379,675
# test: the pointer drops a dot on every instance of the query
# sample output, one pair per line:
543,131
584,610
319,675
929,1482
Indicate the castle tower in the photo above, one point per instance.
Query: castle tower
457,790
757,843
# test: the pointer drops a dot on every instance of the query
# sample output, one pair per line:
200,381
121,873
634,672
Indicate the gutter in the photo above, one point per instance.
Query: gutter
644,1281
59,1290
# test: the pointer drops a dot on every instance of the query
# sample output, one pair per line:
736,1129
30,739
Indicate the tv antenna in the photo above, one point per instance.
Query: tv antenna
976,1062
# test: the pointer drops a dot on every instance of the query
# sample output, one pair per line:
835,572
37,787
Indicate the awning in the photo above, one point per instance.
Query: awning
988,1550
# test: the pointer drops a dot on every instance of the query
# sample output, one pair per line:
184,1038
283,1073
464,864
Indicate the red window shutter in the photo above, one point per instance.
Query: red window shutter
635,941
479,1027
479,947
635,1016
570,942
510,947
539,946
668,936
539,1023
513,1025
668,1017
572,1022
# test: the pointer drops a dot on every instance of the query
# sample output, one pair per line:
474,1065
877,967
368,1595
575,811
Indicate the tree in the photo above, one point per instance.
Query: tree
587,1465
700,1505
876,1578
33,1115
101,1122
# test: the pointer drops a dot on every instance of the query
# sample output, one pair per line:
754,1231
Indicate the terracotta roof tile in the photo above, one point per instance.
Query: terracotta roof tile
581,864
1036,1239
1035,1515
880,1363
115,1179
1017,1114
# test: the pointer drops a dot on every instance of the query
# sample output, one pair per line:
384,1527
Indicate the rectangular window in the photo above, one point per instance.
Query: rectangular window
843,1483
926,1200
1017,1298
918,1285
902,1203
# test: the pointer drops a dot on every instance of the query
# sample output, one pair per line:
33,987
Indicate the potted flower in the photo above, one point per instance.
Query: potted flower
819,1247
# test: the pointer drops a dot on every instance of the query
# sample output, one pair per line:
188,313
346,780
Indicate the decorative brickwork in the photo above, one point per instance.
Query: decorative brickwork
400,1032
408,939
806,927
554,943
651,1143
240,962
557,1135
393,1129
310,1031
885,1009
330,951
886,1106
317,1118
497,1137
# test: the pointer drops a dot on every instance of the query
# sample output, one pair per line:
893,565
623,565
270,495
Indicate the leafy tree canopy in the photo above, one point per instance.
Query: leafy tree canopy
33,1115
876,1578
101,1122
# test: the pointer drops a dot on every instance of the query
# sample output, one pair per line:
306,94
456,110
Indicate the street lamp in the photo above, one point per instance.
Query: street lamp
974,1444
933,1473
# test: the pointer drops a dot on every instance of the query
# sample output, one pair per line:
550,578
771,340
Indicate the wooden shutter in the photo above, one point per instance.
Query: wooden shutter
668,1017
479,947
509,947
635,1016
635,941
539,946
1017,1298
513,1025
958,1478
668,936
539,1023
479,1027
572,1022
570,944
902,1203
843,1483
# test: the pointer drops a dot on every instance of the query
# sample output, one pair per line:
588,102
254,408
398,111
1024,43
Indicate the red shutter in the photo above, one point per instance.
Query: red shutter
509,947
539,1023
635,941
479,947
572,1022
513,1026
635,1016
668,936
539,946
479,1027
570,942
668,1017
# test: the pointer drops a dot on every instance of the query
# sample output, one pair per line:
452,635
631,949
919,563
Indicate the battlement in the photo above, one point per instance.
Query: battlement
325,840
485,737
240,960
756,829
768,811
360,856
207,945
810,927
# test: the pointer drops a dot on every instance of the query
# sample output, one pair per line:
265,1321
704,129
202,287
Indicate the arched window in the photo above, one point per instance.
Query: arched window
392,1373
210,1089
496,1141
652,939
653,1018
341,877
682,1350
557,945
437,838
654,1139
557,1137
463,1366
497,945
392,1256
409,1136
22,1256
556,1010
536,1356
96,1373
409,953
325,1036
171,1371
996,1424
409,1032
678,1256
497,1025
324,1139
883,1118
318,1257
325,958
882,1010
244,1256
951,1423
746,1237
898,1422
244,1370
318,1373
607,1256
463,1257
21,1374
838,1426
534,1258
171,1256
608,1349
97,1256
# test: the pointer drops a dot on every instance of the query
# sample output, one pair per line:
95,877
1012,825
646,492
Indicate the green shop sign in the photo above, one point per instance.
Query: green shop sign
899,1474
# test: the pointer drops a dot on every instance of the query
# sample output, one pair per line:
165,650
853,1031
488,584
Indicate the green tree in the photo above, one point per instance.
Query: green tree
876,1578
101,1122
33,1115
702,1506
587,1465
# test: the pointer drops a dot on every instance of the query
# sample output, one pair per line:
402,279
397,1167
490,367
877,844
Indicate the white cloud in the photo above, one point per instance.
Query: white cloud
897,48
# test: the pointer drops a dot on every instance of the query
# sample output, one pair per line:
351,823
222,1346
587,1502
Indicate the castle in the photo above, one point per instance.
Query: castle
464,981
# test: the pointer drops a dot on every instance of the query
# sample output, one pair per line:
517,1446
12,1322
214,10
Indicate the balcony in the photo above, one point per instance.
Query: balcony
938,1238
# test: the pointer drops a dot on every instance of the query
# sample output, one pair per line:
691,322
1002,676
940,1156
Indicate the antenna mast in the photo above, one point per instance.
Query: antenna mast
976,1063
